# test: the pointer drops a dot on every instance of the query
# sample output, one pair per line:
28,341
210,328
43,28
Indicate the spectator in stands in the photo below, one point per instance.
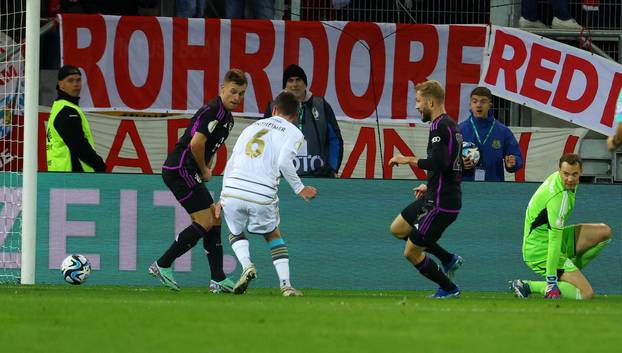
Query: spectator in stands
260,9
70,146
105,7
496,143
190,8
615,141
322,151
561,12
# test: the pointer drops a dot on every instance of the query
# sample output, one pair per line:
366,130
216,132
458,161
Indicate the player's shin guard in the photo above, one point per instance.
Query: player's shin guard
213,249
240,246
185,241
582,260
568,290
280,259
430,270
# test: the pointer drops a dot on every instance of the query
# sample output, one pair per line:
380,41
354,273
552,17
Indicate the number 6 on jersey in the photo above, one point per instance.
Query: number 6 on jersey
255,146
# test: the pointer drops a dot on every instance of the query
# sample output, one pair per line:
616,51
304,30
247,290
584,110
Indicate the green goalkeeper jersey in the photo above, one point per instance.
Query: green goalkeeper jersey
545,217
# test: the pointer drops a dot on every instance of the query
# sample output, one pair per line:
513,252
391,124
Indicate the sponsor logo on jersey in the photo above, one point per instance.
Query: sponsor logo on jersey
436,139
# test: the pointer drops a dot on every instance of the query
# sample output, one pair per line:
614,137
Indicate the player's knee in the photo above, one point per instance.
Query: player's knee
587,293
605,232
234,238
398,230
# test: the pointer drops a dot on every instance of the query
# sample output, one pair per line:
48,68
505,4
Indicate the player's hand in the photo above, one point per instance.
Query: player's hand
420,190
206,174
510,161
468,163
217,210
552,290
399,159
307,193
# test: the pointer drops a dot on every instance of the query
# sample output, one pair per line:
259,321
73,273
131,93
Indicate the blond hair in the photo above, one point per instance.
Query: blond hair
431,89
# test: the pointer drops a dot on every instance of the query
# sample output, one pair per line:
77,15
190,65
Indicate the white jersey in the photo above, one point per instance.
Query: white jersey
265,150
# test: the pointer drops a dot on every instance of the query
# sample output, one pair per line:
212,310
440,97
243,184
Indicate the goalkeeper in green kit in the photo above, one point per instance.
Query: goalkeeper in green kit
553,249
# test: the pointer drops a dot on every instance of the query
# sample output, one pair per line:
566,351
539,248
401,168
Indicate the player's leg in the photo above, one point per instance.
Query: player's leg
235,212
572,285
450,262
400,227
265,219
212,245
430,225
197,201
280,259
571,282
590,240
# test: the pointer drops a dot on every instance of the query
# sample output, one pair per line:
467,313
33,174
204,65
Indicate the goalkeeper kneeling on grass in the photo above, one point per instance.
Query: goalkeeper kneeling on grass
554,250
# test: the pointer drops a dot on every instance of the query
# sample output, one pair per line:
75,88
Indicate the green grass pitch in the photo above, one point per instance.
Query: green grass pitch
101,319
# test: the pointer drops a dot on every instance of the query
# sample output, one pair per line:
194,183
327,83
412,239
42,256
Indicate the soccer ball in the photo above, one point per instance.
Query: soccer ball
469,149
75,269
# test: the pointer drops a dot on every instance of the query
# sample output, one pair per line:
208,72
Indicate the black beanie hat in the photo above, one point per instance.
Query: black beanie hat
67,70
294,70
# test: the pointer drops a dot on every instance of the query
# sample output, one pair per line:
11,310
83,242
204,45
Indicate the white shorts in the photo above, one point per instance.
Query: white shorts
241,215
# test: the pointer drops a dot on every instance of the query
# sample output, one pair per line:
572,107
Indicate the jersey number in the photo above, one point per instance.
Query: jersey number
255,147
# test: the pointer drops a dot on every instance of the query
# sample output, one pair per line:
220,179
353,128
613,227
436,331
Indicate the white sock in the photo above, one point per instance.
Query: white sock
241,250
282,269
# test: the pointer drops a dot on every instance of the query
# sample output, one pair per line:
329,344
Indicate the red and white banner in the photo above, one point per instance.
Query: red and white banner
566,82
140,145
176,64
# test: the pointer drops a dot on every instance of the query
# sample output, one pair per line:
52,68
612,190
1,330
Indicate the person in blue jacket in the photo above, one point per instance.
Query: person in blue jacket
322,151
496,143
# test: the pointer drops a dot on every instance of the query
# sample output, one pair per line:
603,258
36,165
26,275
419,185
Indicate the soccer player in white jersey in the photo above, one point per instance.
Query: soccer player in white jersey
265,150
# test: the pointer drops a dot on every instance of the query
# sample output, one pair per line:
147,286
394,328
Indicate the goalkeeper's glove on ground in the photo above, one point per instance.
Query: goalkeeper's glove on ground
552,290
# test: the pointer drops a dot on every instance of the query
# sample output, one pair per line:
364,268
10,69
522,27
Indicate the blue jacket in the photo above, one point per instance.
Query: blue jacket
499,144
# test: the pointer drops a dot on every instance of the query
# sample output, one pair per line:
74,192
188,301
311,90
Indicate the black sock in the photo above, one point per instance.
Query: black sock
184,242
440,253
213,249
430,270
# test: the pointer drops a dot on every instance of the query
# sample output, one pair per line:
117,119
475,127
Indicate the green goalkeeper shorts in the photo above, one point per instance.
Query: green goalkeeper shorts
565,263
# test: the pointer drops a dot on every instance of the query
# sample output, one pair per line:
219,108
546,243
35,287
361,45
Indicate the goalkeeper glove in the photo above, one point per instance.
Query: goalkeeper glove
552,290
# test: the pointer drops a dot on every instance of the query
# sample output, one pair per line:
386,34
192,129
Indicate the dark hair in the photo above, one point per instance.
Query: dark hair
482,92
236,76
572,159
432,89
286,104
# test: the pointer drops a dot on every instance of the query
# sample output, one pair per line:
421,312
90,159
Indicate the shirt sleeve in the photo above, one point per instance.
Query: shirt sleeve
335,141
205,118
286,161
511,147
557,209
438,156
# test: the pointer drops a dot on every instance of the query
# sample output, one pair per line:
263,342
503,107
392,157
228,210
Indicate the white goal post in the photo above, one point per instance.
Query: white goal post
31,116
19,107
